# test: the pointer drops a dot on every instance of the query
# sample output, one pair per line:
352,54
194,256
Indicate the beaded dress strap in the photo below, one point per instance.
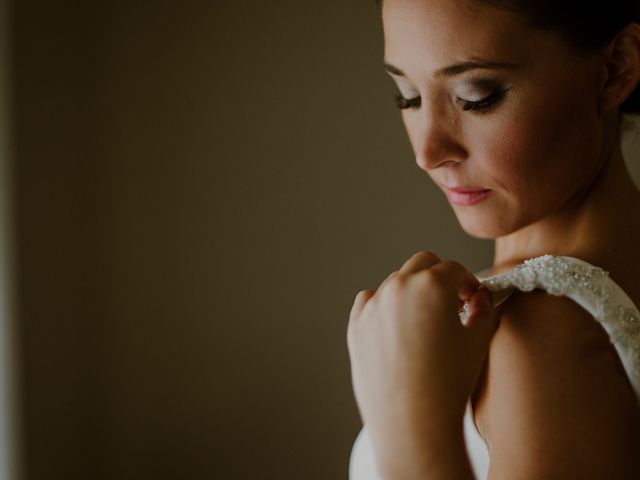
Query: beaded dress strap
588,285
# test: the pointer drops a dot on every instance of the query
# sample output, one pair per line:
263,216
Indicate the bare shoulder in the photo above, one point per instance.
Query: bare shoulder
554,400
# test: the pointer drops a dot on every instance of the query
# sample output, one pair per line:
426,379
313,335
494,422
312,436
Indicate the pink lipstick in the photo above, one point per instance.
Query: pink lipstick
466,196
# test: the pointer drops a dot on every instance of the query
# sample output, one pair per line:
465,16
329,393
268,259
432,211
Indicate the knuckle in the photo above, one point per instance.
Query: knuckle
426,253
429,278
360,294
430,275
447,267
396,283
390,277
452,264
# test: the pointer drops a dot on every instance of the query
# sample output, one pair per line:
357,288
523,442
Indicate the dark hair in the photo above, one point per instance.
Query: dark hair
586,26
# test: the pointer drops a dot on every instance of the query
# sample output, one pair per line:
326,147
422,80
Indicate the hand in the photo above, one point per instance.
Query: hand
413,363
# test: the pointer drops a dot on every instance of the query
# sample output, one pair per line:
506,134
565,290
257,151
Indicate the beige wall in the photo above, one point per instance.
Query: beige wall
202,189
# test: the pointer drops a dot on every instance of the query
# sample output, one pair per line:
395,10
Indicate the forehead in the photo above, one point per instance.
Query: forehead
431,33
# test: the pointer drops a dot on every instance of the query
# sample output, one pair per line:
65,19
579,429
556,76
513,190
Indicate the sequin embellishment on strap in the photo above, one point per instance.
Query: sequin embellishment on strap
592,288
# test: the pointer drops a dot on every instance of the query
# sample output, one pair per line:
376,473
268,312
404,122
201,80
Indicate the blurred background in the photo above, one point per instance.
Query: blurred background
192,194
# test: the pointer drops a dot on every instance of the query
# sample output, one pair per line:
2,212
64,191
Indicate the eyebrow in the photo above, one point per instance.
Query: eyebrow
456,68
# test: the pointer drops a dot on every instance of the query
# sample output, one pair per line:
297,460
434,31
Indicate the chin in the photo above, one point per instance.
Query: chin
482,226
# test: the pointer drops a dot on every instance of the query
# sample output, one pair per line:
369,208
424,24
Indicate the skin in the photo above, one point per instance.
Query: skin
550,153
399,339
549,149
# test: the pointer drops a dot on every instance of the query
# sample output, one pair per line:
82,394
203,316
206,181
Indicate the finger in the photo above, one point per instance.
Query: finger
419,261
458,278
483,320
387,280
360,301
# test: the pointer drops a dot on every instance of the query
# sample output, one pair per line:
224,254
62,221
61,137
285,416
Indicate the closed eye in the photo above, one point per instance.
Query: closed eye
480,105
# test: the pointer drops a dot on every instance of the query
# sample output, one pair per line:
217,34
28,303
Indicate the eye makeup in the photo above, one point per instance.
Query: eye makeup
496,92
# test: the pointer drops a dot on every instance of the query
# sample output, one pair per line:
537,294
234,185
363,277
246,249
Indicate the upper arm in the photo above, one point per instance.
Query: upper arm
556,402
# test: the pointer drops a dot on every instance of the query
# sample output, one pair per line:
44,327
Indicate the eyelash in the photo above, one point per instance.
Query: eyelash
481,105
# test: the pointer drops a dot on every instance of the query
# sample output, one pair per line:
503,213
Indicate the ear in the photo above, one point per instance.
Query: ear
621,68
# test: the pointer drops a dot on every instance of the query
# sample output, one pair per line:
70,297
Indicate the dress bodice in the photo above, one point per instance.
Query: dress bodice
588,285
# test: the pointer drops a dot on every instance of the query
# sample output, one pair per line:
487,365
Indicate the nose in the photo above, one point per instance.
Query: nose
435,141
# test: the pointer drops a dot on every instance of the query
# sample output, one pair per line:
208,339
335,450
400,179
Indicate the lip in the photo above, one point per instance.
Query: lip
466,195
466,189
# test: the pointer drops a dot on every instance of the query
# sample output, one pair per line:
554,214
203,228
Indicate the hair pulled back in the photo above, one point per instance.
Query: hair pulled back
586,26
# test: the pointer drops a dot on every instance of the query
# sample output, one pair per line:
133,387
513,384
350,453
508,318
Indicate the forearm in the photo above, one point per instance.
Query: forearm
414,453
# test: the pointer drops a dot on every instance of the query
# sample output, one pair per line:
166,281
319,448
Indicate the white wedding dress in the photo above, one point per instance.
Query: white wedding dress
588,285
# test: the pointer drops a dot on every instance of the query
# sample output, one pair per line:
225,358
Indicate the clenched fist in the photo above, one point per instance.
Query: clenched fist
413,362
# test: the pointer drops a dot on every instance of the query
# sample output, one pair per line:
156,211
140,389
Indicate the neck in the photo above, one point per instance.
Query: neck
593,220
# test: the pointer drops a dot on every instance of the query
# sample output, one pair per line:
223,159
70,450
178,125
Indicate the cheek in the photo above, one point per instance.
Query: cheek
540,151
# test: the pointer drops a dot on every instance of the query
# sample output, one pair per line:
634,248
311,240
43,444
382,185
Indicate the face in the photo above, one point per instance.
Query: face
534,138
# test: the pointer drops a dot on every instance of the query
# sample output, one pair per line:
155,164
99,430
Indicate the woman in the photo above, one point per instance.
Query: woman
515,110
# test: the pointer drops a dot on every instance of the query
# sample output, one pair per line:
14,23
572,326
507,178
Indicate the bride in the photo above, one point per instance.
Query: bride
515,109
